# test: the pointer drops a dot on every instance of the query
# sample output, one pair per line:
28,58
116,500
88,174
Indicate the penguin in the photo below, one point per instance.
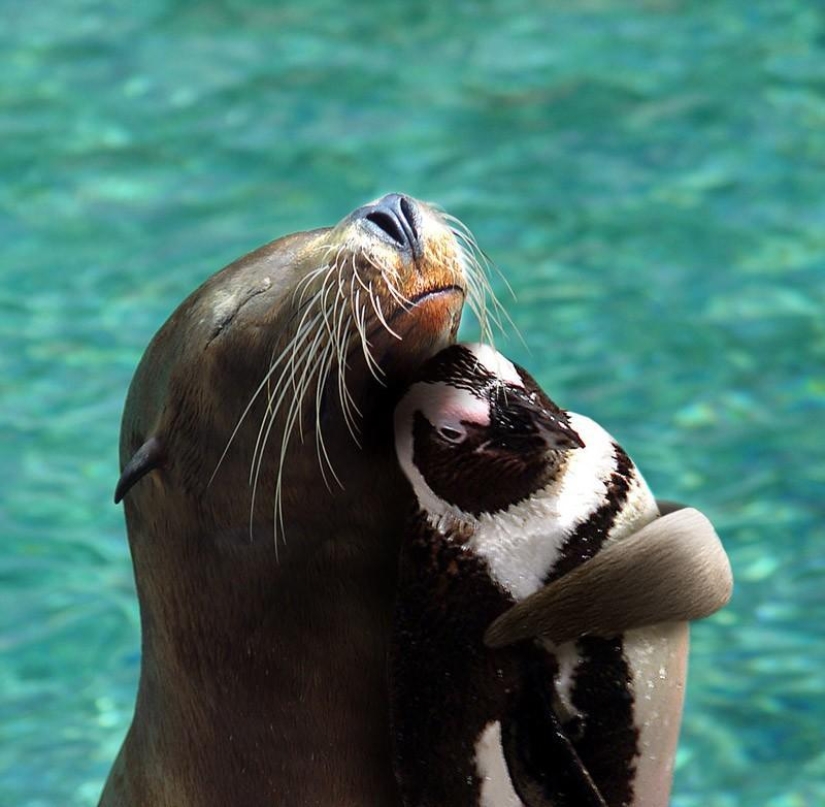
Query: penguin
514,493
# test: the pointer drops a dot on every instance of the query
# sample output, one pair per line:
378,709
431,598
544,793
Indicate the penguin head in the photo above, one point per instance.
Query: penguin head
475,434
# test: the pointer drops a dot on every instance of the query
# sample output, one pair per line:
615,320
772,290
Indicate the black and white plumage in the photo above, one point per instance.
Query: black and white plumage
513,493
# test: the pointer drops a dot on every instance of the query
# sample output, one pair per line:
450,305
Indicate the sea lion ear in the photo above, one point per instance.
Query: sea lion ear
674,569
148,457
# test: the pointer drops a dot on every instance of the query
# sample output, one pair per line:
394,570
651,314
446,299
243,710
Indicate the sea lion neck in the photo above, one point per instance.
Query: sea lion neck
264,659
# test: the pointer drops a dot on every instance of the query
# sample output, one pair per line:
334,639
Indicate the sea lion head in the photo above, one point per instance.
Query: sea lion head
277,370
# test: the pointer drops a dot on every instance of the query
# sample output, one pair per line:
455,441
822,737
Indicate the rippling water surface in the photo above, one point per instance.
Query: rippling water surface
647,175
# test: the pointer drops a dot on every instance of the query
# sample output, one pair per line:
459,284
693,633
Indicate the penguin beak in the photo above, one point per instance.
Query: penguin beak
556,433
520,418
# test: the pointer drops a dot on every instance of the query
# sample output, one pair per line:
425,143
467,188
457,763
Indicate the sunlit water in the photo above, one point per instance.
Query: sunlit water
649,176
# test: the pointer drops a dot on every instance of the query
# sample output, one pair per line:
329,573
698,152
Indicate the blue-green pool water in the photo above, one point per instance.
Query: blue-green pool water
649,176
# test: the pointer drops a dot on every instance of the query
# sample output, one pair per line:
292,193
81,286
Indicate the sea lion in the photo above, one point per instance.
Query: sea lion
264,504
514,493
265,507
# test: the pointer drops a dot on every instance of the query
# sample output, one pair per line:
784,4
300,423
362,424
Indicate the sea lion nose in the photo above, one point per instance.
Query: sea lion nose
396,216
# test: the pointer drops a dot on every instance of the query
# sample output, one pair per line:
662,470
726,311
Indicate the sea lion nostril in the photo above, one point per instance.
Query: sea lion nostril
389,224
408,212
396,216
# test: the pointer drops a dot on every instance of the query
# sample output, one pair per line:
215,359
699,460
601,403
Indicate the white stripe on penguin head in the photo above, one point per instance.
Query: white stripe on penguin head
492,361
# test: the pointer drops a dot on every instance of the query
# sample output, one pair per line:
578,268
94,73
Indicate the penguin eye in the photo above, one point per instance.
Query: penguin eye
452,435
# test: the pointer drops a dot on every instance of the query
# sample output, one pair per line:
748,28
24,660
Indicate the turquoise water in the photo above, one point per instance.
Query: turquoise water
650,177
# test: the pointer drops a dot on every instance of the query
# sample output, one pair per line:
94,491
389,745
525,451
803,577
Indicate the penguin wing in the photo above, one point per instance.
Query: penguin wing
544,767
673,569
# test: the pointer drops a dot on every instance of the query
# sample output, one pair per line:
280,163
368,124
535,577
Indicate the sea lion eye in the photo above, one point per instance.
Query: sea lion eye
452,435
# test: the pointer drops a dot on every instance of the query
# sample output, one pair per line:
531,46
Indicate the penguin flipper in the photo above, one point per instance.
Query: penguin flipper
675,569
544,767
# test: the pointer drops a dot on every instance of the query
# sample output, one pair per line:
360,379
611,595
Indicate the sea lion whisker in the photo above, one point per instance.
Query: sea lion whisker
387,273
340,253
310,366
349,408
466,238
479,291
359,313
305,326
404,302
326,290
477,303
380,266
329,249
486,282
293,349
379,312
376,370
313,365
360,317
263,435
383,272
338,340
328,270
293,415
325,365
307,354
300,310
485,265
268,378
342,339
333,313
264,431
356,275
454,222
304,283
478,277
472,250
340,266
